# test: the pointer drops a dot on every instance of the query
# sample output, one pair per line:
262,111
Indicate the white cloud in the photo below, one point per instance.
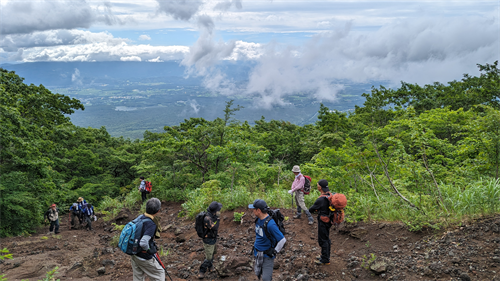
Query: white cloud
104,52
417,51
75,77
28,16
144,37
131,58
13,42
157,59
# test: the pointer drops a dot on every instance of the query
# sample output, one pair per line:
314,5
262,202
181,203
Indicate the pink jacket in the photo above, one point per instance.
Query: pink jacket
298,183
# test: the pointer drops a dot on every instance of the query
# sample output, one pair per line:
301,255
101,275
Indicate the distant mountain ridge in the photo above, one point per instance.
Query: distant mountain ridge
66,74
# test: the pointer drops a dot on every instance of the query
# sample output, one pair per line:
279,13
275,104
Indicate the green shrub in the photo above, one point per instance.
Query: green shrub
237,216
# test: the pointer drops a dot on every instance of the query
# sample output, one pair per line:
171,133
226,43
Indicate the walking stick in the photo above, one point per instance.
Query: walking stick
157,257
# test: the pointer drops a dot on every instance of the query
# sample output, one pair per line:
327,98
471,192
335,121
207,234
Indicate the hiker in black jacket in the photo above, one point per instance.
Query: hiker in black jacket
211,224
53,215
322,205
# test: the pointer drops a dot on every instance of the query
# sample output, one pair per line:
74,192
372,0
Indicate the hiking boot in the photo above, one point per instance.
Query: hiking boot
318,262
318,257
201,275
311,222
297,216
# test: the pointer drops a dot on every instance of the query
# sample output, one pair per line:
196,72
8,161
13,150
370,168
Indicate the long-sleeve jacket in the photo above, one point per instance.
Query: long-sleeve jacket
212,223
51,215
322,206
88,211
298,183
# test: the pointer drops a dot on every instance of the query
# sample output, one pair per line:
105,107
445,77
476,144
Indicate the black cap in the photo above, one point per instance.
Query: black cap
324,185
258,204
214,207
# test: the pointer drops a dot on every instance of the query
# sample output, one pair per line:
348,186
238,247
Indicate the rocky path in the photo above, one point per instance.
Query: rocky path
379,251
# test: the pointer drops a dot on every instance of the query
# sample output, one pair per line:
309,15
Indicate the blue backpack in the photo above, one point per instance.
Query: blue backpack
131,236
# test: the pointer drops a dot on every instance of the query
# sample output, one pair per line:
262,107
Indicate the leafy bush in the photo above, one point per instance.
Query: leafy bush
237,216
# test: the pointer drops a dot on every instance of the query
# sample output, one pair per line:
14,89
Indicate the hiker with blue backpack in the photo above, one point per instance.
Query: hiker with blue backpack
137,240
207,225
268,242
298,186
88,215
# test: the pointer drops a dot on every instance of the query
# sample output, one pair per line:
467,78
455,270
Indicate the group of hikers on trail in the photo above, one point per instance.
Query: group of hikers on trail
80,211
137,237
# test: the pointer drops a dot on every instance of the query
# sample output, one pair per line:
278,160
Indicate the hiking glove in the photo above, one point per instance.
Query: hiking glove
290,191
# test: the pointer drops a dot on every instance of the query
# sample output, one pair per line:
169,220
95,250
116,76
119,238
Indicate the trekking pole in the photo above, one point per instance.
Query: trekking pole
157,257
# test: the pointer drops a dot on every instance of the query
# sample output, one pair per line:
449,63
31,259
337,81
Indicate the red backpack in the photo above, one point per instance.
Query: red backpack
149,186
338,202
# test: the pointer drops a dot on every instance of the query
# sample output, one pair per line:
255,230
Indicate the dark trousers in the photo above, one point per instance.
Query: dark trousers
143,196
324,240
54,224
74,217
88,220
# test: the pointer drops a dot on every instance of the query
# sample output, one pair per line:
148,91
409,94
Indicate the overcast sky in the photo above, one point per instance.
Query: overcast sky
313,46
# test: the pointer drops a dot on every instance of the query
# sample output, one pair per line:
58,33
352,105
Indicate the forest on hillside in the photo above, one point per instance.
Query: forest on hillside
428,156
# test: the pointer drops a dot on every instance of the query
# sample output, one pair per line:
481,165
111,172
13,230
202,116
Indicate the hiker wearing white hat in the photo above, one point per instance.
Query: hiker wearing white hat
298,188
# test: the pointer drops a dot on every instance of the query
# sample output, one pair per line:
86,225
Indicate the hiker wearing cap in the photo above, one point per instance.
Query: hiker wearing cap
298,188
142,189
322,205
263,249
144,263
53,215
211,224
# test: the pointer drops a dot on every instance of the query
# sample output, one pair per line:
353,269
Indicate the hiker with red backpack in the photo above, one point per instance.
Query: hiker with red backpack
208,224
298,187
144,189
330,207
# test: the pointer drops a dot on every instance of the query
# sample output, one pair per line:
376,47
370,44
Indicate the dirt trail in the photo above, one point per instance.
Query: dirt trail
470,252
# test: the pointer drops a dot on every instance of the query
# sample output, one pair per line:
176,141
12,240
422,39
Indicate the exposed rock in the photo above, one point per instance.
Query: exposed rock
108,262
76,265
165,228
178,231
358,233
379,266
464,277
101,270
180,239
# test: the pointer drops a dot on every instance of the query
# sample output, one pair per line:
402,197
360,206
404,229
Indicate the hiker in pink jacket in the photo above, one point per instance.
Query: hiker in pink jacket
298,188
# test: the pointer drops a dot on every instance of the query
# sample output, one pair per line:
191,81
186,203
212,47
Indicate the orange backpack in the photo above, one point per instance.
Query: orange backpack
338,202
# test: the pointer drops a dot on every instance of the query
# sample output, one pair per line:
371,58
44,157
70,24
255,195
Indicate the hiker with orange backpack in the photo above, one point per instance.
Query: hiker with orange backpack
298,187
330,207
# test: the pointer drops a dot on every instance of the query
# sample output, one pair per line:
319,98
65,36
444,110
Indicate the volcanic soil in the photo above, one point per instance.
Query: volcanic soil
361,251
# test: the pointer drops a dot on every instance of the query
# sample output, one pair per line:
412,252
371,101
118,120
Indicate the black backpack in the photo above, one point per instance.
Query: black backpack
307,184
278,218
199,224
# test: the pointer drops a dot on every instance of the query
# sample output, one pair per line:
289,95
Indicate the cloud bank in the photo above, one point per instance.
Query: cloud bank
23,17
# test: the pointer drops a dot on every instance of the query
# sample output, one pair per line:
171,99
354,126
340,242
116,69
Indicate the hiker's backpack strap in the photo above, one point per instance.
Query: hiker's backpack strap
271,251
